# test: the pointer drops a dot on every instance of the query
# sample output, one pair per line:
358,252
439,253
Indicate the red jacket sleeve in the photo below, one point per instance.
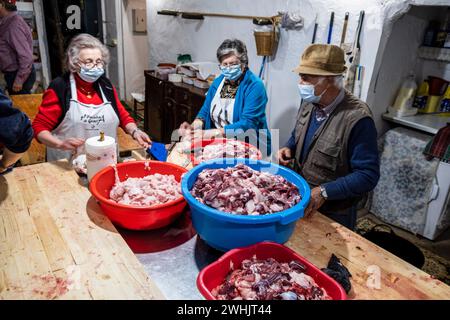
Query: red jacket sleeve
48,114
124,116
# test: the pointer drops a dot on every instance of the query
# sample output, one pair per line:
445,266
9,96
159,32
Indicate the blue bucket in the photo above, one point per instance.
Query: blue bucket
225,231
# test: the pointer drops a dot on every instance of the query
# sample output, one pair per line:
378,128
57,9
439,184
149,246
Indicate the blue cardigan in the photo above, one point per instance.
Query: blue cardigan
249,108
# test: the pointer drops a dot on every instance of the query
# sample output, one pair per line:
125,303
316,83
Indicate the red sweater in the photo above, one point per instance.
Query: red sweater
50,109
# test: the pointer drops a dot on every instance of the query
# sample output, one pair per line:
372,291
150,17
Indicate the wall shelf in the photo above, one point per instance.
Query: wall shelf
433,53
429,123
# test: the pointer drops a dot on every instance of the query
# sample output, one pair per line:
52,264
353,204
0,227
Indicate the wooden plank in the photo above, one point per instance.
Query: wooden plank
59,245
126,142
318,237
180,159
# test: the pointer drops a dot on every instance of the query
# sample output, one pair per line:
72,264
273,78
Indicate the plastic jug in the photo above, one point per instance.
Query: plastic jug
403,104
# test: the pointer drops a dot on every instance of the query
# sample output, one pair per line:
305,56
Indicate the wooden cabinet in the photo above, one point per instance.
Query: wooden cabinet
167,105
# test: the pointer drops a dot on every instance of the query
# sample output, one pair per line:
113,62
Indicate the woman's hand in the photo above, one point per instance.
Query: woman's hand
197,124
212,134
284,156
70,144
142,138
317,200
17,87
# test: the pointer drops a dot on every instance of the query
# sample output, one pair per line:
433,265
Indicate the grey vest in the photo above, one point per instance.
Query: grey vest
327,158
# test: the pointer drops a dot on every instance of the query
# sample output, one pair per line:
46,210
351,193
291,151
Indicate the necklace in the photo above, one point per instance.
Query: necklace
86,92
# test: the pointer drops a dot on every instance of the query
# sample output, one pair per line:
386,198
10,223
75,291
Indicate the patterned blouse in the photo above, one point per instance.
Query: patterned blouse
229,89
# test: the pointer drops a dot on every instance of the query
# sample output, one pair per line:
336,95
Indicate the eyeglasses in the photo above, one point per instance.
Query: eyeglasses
89,64
230,65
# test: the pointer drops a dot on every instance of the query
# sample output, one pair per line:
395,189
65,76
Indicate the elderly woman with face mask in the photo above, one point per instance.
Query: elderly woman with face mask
235,104
81,103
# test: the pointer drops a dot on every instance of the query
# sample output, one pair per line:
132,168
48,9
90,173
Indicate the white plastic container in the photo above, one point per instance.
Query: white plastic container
100,154
403,104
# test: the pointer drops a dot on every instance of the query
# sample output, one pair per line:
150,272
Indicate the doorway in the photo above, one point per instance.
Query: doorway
63,20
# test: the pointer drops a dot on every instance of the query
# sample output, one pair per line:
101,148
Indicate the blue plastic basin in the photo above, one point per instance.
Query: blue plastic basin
225,231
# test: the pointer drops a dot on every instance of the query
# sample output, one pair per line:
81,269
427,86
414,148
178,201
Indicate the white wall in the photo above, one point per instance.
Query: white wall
169,36
399,59
135,50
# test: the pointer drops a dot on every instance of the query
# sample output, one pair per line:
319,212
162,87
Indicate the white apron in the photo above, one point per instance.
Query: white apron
84,121
221,109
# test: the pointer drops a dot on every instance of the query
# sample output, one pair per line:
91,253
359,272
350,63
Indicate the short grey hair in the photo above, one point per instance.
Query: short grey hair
80,42
337,81
234,46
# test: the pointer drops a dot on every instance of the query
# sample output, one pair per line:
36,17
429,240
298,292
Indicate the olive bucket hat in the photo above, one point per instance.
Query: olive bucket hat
322,60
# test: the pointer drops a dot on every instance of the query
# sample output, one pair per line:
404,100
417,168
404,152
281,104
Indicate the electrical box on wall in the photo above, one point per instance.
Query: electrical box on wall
139,21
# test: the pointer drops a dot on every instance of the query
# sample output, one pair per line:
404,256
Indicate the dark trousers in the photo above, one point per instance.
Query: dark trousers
27,85
348,220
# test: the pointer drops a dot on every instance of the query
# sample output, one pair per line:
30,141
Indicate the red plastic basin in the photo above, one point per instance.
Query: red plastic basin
214,274
134,217
204,143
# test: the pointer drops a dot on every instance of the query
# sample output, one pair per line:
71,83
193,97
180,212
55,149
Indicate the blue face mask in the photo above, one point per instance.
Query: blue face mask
91,75
307,93
231,73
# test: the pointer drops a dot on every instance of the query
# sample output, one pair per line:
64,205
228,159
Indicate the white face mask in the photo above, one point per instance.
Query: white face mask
91,75
307,92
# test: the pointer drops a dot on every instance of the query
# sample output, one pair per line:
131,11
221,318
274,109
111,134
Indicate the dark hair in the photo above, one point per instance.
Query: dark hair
8,6
235,46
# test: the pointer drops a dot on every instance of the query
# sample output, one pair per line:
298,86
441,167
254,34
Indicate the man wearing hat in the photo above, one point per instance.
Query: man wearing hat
16,50
334,142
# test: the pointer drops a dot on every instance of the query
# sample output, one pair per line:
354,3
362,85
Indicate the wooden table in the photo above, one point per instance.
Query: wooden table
376,273
60,245
55,242
29,103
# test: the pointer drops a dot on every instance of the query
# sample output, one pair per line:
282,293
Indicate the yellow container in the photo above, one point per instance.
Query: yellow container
432,104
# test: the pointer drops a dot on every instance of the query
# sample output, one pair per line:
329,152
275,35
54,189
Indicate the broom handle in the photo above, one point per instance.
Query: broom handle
344,29
223,15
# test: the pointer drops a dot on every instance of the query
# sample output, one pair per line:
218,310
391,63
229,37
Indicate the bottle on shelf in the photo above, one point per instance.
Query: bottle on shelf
441,35
403,104
430,33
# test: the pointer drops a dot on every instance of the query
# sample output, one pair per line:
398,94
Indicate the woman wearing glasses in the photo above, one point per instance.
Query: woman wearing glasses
235,105
81,103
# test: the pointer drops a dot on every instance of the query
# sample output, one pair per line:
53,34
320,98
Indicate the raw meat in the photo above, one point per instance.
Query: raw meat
244,191
229,149
150,190
79,164
269,280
